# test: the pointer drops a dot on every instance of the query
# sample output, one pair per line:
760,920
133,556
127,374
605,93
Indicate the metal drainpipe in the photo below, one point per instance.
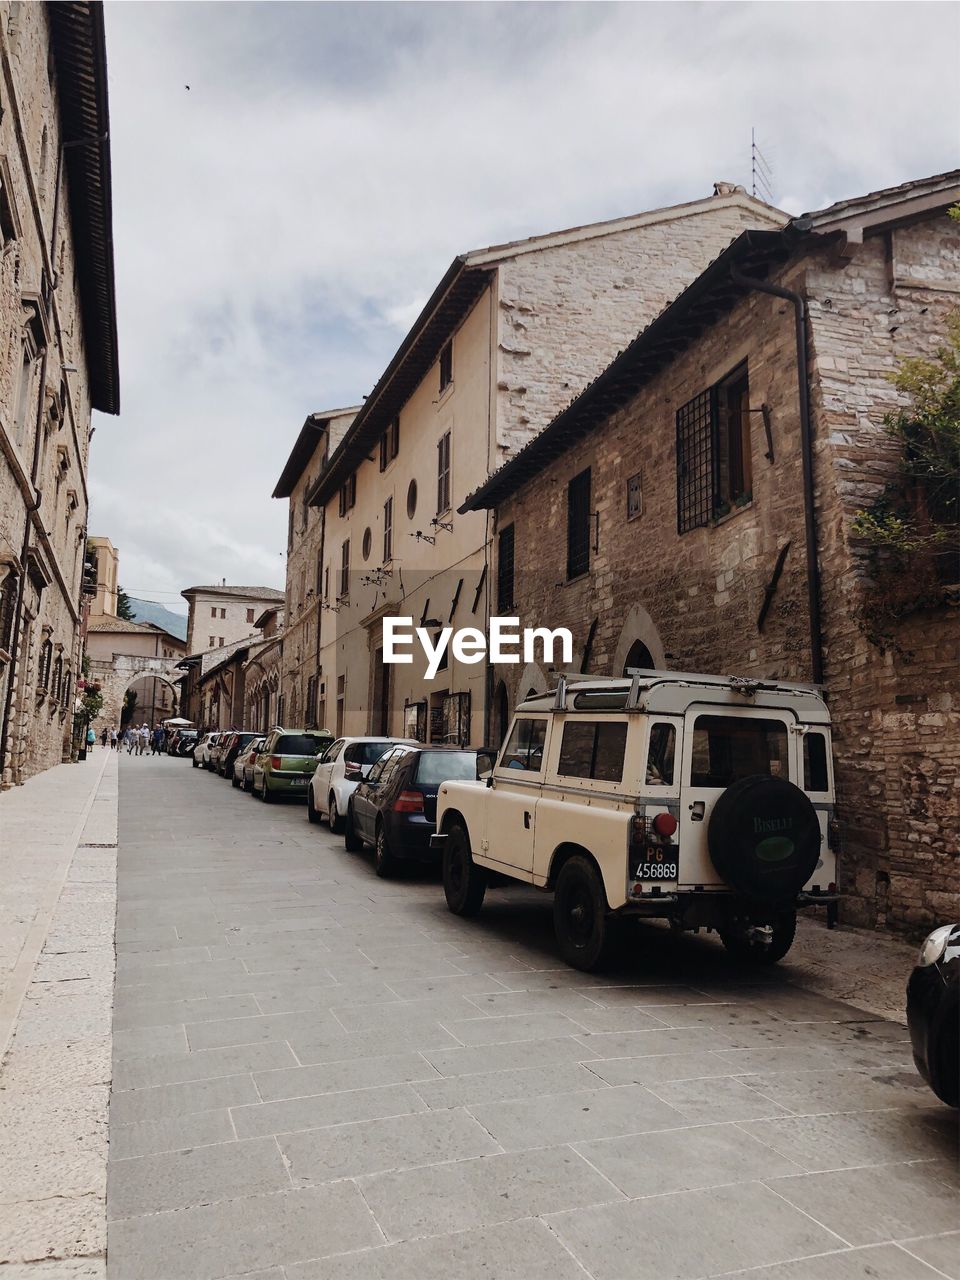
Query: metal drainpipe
806,451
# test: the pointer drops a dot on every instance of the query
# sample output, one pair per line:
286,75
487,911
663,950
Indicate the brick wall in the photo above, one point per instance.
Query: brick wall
604,289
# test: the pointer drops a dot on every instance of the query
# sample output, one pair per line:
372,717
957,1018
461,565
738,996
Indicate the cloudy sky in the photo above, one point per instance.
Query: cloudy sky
279,223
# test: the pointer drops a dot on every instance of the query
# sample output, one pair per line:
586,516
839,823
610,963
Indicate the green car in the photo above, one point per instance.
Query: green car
286,762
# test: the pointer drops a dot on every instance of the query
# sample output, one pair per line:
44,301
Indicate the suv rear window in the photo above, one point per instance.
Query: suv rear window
593,749
446,766
298,744
727,748
365,752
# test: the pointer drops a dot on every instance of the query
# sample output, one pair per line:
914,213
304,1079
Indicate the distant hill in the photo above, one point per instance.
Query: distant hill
148,611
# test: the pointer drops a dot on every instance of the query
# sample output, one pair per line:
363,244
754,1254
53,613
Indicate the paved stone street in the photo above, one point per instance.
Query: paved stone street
319,1075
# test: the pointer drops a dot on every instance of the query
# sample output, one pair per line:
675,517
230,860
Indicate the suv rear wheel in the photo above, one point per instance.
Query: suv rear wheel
464,883
580,920
745,943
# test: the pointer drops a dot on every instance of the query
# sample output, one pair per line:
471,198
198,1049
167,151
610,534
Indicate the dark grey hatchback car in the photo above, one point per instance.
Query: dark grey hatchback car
395,807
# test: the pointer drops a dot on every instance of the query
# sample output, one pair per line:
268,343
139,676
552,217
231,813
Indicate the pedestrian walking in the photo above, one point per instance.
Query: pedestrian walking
128,739
114,739
144,738
103,737
156,741
91,738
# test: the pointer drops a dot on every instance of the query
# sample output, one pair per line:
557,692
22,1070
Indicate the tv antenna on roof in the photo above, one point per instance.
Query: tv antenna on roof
761,175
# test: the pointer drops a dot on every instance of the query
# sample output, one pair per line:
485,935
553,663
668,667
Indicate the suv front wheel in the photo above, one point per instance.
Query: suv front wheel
464,883
584,929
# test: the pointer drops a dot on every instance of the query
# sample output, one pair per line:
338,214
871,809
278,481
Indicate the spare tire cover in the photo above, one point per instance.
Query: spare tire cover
764,838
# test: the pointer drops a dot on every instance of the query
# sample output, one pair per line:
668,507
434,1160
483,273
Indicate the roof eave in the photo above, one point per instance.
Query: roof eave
430,331
79,49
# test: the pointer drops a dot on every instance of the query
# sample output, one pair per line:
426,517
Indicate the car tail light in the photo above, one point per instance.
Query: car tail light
665,824
352,771
276,762
834,842
408,802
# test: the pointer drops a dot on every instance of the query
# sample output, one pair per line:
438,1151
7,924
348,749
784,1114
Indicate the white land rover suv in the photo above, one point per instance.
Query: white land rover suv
703,800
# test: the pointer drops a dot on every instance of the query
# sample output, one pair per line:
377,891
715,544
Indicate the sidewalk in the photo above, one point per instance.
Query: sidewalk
58,834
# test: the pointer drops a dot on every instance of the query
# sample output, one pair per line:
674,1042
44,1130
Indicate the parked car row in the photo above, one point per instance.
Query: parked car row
701,800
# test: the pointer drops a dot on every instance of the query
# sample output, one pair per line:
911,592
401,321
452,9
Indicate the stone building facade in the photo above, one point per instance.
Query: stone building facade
220,615
123,656
510,334
214,689
664,518
296,699
58,360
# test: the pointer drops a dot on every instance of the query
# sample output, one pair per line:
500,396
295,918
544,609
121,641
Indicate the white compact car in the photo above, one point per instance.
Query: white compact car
703,800
201,752
341,767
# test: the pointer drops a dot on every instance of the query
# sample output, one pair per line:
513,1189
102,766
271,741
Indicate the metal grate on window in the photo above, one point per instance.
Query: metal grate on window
695,461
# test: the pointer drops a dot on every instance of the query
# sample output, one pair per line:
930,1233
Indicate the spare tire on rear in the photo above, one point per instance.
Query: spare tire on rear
764,838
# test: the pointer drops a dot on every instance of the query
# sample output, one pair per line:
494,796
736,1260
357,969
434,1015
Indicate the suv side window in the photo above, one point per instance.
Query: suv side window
816,775
660,756
593,749
524,749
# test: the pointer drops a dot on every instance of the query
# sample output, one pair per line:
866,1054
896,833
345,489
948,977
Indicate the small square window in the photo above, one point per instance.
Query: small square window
634,497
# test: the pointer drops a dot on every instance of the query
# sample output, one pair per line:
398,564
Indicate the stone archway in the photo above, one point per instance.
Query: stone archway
638,630
116,677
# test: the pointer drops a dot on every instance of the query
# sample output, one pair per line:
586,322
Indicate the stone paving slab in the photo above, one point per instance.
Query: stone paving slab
57,902
320,1075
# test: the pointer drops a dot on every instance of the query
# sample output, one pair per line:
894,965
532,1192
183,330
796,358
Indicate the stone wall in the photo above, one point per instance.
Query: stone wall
566,310
303,595
694,599
44,430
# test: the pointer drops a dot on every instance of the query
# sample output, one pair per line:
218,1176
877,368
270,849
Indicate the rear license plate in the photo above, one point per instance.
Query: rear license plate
656,871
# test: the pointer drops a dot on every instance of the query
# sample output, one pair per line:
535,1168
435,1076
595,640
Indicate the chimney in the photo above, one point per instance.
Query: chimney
728,189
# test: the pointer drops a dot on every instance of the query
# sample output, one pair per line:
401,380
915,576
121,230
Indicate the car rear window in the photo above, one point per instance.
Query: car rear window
298,744
727,748
365,752
446,766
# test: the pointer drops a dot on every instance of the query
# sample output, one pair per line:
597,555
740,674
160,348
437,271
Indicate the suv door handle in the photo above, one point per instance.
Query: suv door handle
527,815
697,810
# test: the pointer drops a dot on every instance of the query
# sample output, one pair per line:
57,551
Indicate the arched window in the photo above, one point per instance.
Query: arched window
639,658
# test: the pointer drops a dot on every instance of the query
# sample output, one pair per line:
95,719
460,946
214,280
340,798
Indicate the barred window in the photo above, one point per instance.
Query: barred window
578,524
505,559
714,472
